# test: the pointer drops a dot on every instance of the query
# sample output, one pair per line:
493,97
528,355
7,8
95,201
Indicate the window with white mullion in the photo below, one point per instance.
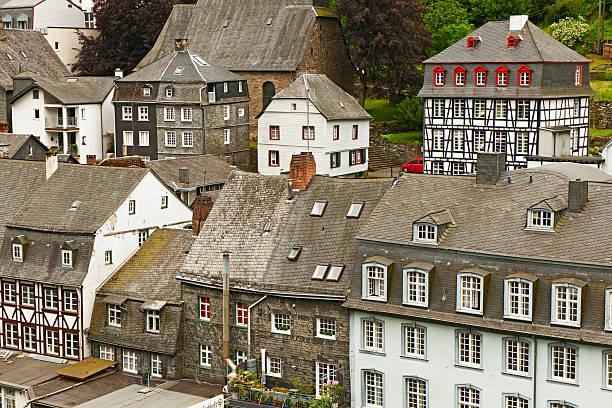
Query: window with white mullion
470,293
499,141
561,404
114,315
607,369
608,312
107,352
438,139
415,287
153,319
326,373
205,356
522,108
566,304
376,281
522,143
469,347
459,108
129,362
516,356
540,218
416,393
518,295
414,341
563,362
515,401
479,140
479,108
372,335
438,108
424,232
468,397
501,109
458,138
373,389
156,365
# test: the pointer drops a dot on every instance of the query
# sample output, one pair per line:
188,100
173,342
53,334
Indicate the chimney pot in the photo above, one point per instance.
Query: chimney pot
51,163
290,190
184,175
577,195
118,73
490,167
180,44
301,170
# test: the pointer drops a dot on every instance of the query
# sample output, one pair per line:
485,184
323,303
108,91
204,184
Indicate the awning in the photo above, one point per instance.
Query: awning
85,368
153,305
115,299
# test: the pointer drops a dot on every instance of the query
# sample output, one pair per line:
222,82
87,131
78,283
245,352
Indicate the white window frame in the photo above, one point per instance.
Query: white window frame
480,108
416,291
372,335
143,138
107,352
143,113
563,365
373,384
52,342
200,303
479,137
227,136
71,345
457,168
242,319
280,320
439,78
170,138
205,358
241,357
539,218
524,78
438,108
459,108
501,109
17,252
461,307
126,113
471,392
128,138
226,112
169,93
146,91
515,356
187,139
438,139
239,86
51,300
520,296
414,341
481,78
169,114
71,300
522,143
416,392
66,258
554,305
437,167
424,232
608,313
29,338
156,365
277,361
576,107
129,361
9,292
27,299
153,318
11,335
325,373
114,315
186,114
607,369
458,140
328,325
381,282
500,141
240,112
143,235
474,351
523,109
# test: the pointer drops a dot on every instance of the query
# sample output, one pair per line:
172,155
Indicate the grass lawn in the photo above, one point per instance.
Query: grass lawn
597,60
380,110
603,89
414,136
601,132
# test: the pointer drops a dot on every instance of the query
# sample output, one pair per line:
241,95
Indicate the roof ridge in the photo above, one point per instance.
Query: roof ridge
537,48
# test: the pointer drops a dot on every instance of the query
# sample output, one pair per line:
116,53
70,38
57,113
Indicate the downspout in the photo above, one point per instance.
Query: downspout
249,323
535,368
226,317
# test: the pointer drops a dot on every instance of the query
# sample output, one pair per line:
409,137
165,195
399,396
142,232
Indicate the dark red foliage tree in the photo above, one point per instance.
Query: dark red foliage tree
128,30
387,41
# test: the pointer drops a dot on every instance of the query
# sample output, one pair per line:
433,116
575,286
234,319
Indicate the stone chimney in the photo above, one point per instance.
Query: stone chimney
578,195
118,73
184,175
91,159
180,44
50,163
301,170
489,167
202,205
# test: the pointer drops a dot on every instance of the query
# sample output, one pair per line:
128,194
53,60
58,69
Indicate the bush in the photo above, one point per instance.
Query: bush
570,31
409,113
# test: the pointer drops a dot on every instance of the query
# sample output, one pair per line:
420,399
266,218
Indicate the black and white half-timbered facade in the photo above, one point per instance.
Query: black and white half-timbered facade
498,90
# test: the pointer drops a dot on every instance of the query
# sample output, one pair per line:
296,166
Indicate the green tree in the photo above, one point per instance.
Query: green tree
482,11
448,35
443,13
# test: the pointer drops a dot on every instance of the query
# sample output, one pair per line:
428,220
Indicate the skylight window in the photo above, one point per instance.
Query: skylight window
179,70
71,80
354,210
319,272
268,227
335,272
200,61
75,205
294,253
318,208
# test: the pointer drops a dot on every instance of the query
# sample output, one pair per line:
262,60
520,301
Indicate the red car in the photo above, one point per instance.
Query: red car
413,166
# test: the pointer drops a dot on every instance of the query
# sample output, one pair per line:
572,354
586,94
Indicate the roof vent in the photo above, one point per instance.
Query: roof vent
518,22
75,205
225,23
269,21
179,70
71,80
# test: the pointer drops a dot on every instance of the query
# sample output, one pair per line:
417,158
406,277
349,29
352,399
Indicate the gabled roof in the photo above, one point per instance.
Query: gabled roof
203,171
327,97
237,36
535,46
555,204
504,207
70,90
10,143
39,56
27,3
193,68
101,190
438,218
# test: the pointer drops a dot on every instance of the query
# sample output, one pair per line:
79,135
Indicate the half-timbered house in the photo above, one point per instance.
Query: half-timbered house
70,235
507,87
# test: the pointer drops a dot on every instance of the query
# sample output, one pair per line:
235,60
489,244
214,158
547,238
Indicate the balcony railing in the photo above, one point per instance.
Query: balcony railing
247,396
52,122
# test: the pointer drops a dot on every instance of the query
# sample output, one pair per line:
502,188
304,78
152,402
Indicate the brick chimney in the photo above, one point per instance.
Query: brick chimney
51,163
578,195
4,127
202,205
91,159
301,170
489,167
180,44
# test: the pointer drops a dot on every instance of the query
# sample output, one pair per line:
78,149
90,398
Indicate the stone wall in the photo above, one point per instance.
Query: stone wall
601,114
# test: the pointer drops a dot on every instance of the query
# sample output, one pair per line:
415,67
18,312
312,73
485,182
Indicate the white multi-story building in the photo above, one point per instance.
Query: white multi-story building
514,312
507,87
38,15
314,115
80,226
75,114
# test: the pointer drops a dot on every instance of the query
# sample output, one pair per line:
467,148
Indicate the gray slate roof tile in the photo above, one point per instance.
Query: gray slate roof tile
203,170
73,90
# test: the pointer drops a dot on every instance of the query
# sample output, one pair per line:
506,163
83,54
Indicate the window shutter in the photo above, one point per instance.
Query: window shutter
350,157
339,155
364,155
331,161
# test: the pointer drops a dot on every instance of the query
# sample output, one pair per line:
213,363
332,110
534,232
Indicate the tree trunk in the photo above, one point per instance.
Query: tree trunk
363,90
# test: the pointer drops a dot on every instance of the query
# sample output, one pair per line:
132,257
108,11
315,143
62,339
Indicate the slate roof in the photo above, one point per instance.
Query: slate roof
504,206
195,69
42,260
100,190
12,142
203,171
24,3
329,98
248,42
27,371
131,396
147,276
258,258
39,56
535,46
71,90
20,180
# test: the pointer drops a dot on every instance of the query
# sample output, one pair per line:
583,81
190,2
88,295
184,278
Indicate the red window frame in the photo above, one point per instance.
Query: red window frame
336,132
522,70
277,128
436,71
356,157
304,133
497,72
480,69
204,308
512,40
355,132
242,314
270,153
578,75
459,70
471,42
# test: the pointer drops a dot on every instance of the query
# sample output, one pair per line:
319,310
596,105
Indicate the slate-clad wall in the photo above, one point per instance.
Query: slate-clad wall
38,153
214,123
301,349
178,126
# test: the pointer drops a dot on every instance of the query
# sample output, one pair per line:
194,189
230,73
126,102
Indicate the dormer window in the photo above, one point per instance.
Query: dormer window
416,284
439,76
524,76
502,76
541,219
459,76
374,273
543,215
318,208
320,271
518,296
471,42
169,92
146,91
67,258
17,253
481,76
513,41
430,228
470,291
179,70
566,300
425,232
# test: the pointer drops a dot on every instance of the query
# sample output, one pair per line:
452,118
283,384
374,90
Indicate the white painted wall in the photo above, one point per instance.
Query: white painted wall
279,113
606,153
68,40
57,13
23,116
442,374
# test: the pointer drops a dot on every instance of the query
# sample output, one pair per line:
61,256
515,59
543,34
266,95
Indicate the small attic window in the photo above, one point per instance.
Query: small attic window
543,215
66,258
512,41
225,23
472,42
146,91
335,272
179,70
75,205
541,219
319,272
17,253
200,61
269,21
424,232
355,210
294,253
318,208
268,227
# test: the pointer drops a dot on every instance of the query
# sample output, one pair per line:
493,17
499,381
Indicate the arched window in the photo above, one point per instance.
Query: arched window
268,92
